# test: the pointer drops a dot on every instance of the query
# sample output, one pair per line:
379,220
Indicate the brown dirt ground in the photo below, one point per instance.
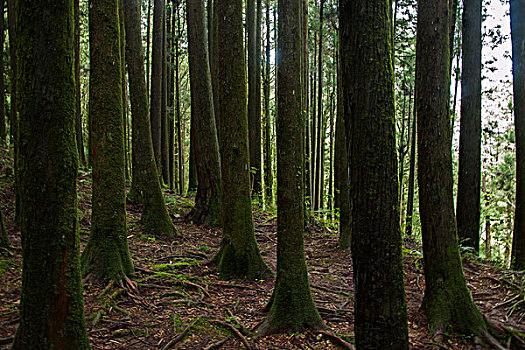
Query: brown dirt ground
176,295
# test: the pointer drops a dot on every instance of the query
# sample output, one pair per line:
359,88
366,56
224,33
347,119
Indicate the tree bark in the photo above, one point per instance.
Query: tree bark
164,135
291,306
517,17
368,102
51,305
411,176
156,82
447,300
238,256
106,255
469,172
207,208
268,174
155,217
253,23
319,166
78,119
3,125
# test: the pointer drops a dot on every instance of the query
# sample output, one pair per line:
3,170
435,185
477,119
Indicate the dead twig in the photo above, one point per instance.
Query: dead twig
324,289
181,335
235,332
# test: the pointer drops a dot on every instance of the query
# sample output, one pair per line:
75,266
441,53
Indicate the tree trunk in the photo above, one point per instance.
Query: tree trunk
319,183
411,176
122,31
341,173
78,119
517,18
253,23
469,173
164,135
368,102
179,122
148,36
4,239
51,305
106,255
171,27
447,300
313,128
207,208
3,125
268,175
238,256
192,166
306,103
156,82
291,306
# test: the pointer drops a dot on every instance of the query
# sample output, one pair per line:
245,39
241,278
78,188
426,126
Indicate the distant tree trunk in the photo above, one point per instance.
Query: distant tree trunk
313,128
319,183
106,255
78,119
179,121
411,176
4,239
517,18
268,175
330,197
172,28
192,165
253,23
156,82
469,172
155,217
3,125
207,208
164,134
122,31
306,102
369,112
11,16
238,255
447,300
51,305
148,36
291,306
341,173
402,150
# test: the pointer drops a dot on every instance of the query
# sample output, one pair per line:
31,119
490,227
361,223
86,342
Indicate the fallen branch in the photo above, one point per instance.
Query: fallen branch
235,332
216,345
181,335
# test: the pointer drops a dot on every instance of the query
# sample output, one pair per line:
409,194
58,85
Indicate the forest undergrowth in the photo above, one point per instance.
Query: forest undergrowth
175,299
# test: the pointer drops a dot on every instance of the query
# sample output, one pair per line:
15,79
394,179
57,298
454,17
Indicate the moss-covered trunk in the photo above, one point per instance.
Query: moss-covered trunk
469,172
268,174
253,28
3,126
51,306
292,307
368,107
517,18
4,239
207,208
155,217
106,255
156,81
78,119
447,300
239,254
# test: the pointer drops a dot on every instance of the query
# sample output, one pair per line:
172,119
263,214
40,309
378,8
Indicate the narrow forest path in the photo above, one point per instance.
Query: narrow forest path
177,301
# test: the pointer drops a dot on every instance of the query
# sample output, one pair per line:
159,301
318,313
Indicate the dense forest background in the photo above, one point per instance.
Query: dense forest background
275,145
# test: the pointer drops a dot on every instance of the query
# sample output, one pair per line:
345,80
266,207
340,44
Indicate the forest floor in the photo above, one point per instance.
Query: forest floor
177,301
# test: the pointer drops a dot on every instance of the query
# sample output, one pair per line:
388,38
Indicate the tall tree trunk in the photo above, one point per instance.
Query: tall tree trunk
192,166
402,149
106,255
3,125
51,305
148,36
179,122
156,81
253,23
411,175
122,31
164,134
171,95
268,175
320,118
291,307
313,128
155,217
341,176
330,197
517,18
207,208
4,238
369,112
469,173
238,255
78,119
306,102
447,300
